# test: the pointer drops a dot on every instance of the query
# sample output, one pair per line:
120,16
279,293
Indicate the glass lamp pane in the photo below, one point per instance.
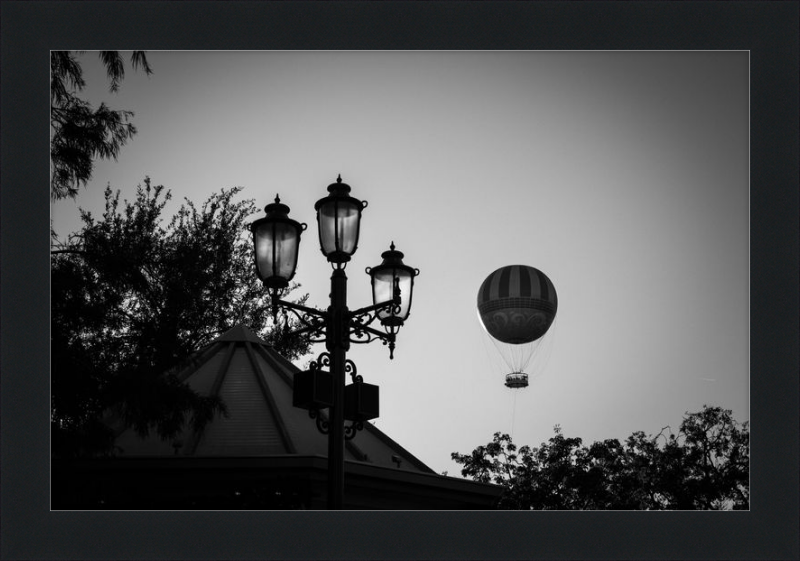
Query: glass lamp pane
406,282
383,290
276,252
338,227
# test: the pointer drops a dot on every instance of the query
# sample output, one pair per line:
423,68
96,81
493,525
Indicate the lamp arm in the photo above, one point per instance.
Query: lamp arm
362,333
375,308
360,319
314,321
312,329
305,309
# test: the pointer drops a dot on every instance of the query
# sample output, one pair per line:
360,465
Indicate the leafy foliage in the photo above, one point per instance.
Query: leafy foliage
132,298
704,466
80,134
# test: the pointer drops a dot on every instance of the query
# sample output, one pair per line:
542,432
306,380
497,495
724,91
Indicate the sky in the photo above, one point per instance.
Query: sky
623,176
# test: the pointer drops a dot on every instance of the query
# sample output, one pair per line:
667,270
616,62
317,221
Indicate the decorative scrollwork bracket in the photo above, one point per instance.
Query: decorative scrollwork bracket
323,425
315,322
360,320
350,368
322,363
351,430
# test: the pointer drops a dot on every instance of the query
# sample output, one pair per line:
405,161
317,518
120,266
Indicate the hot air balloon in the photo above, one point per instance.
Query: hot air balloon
517,305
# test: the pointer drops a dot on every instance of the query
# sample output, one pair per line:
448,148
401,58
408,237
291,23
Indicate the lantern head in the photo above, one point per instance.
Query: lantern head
339,218
276,238
391,277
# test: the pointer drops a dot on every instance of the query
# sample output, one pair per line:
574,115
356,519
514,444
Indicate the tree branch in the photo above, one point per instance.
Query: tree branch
74,251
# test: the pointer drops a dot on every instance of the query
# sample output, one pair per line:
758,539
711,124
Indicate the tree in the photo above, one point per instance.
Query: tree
80,134
704,466
131,298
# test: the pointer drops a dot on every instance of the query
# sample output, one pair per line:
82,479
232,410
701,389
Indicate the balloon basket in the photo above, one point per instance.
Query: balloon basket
517,380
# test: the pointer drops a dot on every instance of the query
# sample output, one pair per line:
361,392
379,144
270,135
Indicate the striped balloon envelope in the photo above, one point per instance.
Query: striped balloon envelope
517,304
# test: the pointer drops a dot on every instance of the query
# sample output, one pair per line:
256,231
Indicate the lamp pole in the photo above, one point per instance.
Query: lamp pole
338,346
276,239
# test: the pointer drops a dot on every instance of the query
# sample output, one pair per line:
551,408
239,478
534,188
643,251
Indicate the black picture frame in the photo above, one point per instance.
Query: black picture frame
768,30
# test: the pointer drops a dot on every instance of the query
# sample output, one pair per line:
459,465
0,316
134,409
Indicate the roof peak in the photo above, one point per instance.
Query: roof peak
240,333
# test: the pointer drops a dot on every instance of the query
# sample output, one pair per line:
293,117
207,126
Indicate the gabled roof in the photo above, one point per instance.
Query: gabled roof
255,384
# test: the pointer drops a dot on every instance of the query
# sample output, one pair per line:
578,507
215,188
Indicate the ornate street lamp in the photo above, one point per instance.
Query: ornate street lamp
276,238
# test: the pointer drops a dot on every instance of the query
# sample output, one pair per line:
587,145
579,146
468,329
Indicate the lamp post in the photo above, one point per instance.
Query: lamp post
276,238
